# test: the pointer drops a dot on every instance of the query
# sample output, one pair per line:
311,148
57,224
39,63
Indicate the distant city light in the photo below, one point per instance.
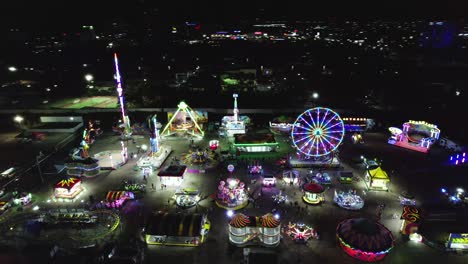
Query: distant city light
443,190
89,77
12,69
315,95
457,93
460,190
18,119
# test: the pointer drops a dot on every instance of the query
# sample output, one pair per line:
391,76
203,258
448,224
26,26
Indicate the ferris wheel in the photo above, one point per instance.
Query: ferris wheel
317,132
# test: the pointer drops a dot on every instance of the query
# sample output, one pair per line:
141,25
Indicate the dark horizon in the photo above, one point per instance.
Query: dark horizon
24,13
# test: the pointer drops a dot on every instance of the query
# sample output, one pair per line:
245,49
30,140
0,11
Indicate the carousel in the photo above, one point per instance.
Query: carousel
232,194
300,232
348,200
186,198
313,193
364,239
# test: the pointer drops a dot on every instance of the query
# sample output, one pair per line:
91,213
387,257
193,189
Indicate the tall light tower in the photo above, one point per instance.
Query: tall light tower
235,111
118,79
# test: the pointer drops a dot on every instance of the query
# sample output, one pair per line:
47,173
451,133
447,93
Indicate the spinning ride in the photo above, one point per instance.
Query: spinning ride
184,120
232,194
186,198
300,233
364,239
348,200
313,193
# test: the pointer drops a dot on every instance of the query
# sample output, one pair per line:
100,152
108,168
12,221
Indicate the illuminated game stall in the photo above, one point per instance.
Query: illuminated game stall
268,180
291,176
115,199
316,134
175,229
254,230
313,193
232,194
348,200
185,121
259,142
235,124
172,175
364,239
415,135
377,179
458,159
357,124
68,189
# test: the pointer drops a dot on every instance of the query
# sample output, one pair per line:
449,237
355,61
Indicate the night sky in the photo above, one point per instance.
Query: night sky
62,13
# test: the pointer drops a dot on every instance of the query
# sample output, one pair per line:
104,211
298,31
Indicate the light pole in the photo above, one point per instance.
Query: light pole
39,166
19,119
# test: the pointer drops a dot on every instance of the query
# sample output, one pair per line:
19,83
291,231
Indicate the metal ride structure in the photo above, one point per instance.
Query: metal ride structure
127,130
317,133
154,137
179,123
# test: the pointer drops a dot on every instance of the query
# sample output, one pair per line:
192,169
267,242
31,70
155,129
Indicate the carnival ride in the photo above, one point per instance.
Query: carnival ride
158,152
415,135
316,134
187,197
348,200
232,194
116,199
235,124
280,198
183,121
125,127
300,232
214,144
198,156
313,193
364,239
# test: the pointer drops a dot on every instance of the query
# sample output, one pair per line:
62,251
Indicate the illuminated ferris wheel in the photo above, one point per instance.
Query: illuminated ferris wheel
317,132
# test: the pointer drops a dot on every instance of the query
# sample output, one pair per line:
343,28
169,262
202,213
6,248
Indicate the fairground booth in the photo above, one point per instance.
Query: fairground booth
173,229
346,177
313,193
364,239
68,188
115,199
259,142
172,175
377,179
254,230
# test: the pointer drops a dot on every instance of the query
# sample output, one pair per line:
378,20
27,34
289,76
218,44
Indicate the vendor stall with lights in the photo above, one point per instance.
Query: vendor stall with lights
115,199
377,179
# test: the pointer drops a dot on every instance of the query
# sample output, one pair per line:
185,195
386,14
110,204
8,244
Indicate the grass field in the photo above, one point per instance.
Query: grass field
86,102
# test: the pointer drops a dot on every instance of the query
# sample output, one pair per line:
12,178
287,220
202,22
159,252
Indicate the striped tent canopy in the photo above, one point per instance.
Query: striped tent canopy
116,195
269,220
67,183
240,220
